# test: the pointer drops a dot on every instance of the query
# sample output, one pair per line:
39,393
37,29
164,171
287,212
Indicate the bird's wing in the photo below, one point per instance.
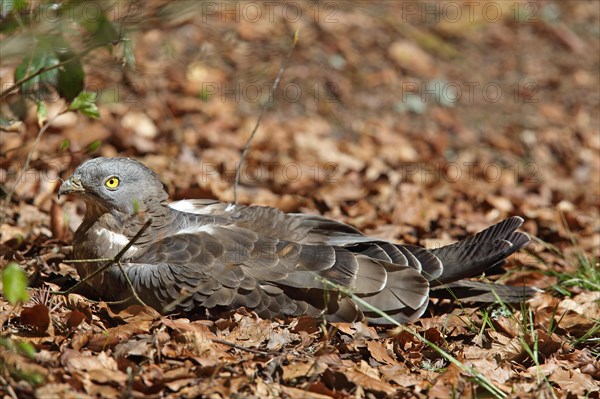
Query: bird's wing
226,264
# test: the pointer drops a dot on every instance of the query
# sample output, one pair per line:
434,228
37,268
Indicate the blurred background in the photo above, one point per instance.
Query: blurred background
411,120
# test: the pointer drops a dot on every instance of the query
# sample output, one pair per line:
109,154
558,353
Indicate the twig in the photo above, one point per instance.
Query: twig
45,69
263,109
130,285
11,191
111,262
87,260
27,78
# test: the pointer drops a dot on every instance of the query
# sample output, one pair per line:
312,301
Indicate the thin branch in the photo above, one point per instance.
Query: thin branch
263,109
111,262
45,69
87,260
130,285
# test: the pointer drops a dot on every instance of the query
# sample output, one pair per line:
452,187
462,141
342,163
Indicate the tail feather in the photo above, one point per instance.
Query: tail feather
482,251
431,265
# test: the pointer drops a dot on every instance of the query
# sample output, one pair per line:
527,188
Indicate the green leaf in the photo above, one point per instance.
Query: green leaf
128,55
26,348
32,65
85,103
93,146
103,32
14,284
204,95
70,76
136,206
6,6
41,113
64,145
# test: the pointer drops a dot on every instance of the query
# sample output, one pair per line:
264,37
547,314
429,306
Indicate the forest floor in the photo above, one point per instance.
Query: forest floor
403,119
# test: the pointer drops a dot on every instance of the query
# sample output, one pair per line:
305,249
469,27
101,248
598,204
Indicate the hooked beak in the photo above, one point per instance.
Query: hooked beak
71,186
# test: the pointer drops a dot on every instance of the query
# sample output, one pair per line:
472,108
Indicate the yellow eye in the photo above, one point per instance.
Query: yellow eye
112,182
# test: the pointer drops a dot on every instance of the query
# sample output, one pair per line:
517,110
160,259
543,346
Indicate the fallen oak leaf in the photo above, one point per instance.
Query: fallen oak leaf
296,393
101,368
37,317
574,381
74,318
113,336
303,369
369,383
380,353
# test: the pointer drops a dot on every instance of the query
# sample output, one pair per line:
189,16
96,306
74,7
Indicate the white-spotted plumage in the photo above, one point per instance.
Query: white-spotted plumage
116,242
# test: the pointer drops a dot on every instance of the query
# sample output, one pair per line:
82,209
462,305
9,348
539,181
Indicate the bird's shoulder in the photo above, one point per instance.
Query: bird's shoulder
268,221
262,220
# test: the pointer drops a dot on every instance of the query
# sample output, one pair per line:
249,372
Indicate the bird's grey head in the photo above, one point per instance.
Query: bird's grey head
114,184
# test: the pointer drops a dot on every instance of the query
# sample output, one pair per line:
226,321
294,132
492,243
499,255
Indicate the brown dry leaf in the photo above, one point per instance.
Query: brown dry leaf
113,336
492,370
371,383
183,325
410,56
433,335
178,372
280,339
509,326
586,303
63,391
58,226
400,375
176,385
142,315
101,390
357,330
448,385
250,332
380,353
509,349
195,340
306,369
295,393
454,324
101,368
304,323
581,359
142,345
150,381
406,341
14,361
74,318
547,345
36,317
579,314
574,381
